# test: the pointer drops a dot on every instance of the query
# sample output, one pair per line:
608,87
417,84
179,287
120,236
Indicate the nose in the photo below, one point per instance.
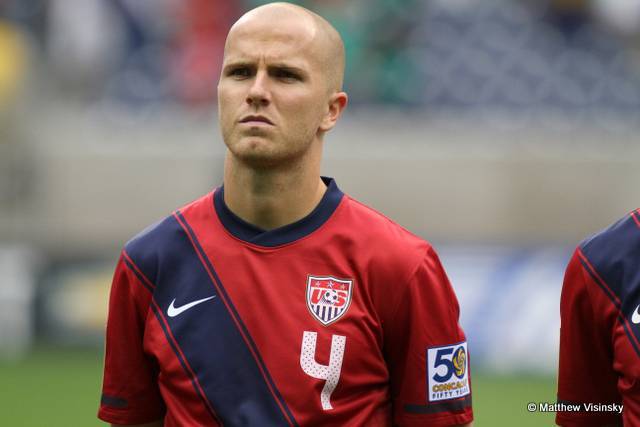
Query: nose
258,94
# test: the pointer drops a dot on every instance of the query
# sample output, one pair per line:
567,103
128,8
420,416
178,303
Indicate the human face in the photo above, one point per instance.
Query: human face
272,94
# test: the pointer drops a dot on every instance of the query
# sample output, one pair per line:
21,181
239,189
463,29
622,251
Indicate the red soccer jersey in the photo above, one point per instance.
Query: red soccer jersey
340,319
600,329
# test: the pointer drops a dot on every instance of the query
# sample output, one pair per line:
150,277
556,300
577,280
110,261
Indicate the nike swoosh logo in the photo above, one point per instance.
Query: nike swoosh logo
173,311
635,317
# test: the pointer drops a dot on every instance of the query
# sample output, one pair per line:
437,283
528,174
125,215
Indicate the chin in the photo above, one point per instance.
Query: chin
252,146
254,151
257,160
262,152
267,157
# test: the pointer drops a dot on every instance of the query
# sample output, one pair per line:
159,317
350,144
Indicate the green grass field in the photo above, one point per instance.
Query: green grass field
60,388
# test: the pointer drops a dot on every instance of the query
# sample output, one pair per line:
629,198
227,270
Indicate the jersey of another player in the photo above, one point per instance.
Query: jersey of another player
600,329
340,319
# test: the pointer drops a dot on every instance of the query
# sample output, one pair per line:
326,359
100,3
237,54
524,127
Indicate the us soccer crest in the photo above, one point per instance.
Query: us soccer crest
328,298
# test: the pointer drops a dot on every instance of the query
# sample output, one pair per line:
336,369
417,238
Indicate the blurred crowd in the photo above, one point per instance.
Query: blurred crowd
558,57
512,63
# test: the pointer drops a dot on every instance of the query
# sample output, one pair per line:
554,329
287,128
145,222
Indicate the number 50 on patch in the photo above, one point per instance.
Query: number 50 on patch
447,372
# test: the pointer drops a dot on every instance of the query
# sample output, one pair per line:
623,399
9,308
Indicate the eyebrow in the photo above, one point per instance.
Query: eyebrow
275,65
284,66
237,64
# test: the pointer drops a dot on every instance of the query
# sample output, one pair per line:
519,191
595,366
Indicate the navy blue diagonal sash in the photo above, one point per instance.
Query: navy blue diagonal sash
209,338
612,258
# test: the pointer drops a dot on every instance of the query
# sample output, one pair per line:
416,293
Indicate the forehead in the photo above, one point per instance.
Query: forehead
288,40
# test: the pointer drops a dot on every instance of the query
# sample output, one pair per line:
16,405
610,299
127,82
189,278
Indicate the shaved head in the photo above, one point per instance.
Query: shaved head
323,40
280,89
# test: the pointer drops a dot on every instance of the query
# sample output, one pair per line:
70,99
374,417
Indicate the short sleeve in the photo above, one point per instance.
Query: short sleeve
586,373
427,353
130,392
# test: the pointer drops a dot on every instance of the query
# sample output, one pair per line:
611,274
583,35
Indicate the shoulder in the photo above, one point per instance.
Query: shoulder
380,226
155,242
165,229
387,243
613,252
615,243
398,266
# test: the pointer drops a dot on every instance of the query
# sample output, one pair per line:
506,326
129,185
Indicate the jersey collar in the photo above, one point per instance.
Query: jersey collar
281,235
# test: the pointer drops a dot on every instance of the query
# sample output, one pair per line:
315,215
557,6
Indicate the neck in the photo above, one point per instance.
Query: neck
271,198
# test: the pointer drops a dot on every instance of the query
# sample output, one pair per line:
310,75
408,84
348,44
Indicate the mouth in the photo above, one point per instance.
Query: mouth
254,120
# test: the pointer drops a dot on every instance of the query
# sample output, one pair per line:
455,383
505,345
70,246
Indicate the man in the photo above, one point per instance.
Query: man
277,300
600,330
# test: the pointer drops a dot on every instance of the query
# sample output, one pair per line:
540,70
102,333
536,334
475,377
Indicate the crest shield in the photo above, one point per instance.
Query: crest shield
328,298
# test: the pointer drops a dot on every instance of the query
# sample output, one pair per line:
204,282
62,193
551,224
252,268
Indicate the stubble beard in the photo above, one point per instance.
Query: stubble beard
262,152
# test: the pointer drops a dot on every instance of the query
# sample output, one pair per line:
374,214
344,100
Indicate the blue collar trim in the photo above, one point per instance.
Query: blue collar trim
281,235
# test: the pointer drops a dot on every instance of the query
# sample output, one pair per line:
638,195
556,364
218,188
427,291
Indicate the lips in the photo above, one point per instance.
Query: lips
253,119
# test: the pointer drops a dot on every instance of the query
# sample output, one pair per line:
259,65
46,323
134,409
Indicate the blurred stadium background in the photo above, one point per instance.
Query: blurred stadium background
503,131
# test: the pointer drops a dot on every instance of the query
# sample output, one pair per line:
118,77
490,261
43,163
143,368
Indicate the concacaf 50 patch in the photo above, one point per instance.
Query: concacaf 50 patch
447,372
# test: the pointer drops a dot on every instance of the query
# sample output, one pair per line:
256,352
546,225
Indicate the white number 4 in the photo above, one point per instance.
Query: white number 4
331,372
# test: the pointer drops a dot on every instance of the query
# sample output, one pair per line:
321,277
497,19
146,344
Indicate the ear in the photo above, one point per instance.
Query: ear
337,103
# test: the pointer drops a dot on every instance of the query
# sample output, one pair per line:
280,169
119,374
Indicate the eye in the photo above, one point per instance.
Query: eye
239,72
286,75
